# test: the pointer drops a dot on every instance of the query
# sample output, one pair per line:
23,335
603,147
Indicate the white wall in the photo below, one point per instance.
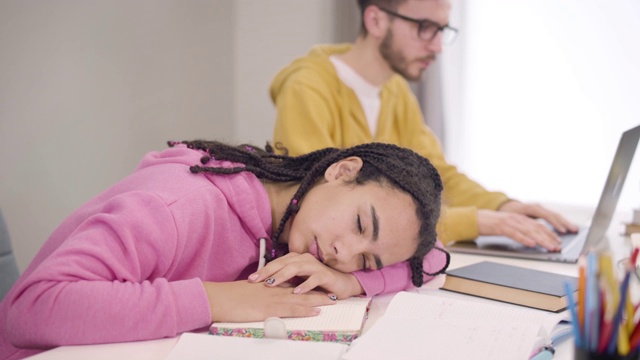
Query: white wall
87,87
269,35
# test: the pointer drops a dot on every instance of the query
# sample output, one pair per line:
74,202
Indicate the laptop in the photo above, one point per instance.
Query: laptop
573,245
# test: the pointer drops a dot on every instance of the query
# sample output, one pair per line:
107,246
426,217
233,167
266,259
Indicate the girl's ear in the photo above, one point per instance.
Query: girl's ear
346,169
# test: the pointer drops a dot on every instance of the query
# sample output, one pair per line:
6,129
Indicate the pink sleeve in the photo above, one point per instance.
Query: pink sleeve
397,277
107,282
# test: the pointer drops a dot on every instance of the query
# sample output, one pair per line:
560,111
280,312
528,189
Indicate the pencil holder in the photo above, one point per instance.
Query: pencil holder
583,354
604,319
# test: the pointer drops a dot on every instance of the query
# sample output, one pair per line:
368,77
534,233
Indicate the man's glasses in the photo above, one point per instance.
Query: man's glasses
428,29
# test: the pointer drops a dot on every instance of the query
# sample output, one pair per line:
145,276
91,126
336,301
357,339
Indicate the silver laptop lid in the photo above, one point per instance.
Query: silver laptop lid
613,187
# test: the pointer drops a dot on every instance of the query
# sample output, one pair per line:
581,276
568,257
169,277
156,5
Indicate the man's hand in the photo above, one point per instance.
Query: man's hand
516,220
316,274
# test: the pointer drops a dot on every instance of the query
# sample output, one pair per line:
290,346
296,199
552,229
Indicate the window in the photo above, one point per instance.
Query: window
540,95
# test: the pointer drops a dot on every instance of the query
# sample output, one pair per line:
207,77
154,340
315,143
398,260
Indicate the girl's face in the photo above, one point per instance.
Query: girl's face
353,227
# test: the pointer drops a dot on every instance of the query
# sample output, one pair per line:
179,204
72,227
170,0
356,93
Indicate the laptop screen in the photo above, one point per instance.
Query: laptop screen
613,186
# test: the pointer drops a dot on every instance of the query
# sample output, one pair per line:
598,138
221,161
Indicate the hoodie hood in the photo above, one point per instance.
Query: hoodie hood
245,193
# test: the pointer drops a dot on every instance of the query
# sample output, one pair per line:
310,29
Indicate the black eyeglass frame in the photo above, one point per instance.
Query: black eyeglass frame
424,23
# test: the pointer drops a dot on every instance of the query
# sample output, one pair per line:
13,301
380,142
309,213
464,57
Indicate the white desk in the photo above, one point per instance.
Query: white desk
158,349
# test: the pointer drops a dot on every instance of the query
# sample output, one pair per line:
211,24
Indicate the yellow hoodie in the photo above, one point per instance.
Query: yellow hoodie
315,109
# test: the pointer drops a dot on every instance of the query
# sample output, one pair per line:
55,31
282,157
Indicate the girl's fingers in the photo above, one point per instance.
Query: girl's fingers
303,311
290,265
273,267
287,273
306,310
306,286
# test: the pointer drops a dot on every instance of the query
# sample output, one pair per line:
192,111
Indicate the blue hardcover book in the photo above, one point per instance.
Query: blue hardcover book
512,284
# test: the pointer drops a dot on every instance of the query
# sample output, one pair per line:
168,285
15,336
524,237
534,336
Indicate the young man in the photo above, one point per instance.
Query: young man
348,94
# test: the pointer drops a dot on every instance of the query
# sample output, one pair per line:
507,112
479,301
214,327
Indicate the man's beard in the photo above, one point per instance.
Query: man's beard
397,62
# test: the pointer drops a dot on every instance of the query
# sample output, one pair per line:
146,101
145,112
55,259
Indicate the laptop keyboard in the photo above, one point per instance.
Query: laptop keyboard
570,240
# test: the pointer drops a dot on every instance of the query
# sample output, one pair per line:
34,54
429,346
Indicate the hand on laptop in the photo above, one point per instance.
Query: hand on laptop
517,221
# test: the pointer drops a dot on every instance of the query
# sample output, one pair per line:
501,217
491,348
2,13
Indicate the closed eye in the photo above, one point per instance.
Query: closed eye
360,231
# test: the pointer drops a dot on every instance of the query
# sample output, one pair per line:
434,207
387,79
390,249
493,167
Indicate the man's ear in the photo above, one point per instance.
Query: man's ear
375,21
346,169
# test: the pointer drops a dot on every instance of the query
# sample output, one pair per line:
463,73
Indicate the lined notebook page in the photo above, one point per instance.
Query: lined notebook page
450,328
347,314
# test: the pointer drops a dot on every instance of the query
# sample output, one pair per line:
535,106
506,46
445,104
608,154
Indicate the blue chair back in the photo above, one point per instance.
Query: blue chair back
8,266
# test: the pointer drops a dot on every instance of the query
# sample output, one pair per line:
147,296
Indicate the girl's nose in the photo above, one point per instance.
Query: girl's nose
347,247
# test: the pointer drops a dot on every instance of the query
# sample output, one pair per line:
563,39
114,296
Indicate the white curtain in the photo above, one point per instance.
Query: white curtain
535,95
440,88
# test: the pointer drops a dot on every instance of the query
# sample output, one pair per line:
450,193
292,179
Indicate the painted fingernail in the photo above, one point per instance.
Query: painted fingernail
253,277
333,297
270,281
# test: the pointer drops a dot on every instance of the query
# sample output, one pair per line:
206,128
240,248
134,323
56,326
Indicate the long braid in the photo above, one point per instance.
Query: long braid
382,163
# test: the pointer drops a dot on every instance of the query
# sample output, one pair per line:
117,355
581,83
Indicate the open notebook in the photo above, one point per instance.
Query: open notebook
438,325
341,323
429,325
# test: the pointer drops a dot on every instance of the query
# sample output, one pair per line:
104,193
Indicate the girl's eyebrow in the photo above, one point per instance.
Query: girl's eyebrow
376,224
374,235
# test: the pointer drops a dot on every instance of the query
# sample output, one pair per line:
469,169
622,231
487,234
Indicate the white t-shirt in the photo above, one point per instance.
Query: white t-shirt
368,94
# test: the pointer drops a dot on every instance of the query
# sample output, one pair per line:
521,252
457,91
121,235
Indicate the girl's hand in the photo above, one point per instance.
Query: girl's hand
242,301
316,273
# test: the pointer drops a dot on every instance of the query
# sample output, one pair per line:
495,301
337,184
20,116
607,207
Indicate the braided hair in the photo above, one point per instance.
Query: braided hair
382,163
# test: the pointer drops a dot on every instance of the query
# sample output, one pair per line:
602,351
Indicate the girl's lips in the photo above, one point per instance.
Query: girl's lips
314,250
320,255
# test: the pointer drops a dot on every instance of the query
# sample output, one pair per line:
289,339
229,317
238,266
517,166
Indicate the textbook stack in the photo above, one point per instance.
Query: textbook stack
634,226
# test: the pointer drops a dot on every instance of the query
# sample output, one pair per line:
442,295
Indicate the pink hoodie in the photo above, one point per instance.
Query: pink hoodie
128,265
